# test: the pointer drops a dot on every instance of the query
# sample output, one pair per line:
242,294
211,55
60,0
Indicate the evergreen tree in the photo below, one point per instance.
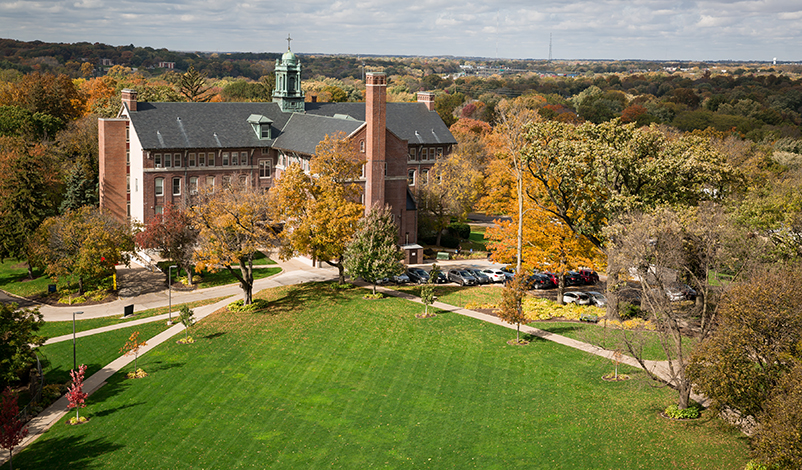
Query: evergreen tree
373,253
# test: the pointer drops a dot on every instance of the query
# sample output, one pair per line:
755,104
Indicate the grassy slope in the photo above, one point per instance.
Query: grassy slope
332,380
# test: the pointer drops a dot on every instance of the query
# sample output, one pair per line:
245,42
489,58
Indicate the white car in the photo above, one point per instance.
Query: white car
597,298
495,275
579,298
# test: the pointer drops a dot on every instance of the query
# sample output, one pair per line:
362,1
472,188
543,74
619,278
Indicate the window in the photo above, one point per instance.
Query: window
176,159
225,158
431,153
176,186
385,168
265,170
210,157
412,153
234,159
159,187
226,181
128,209
424,154
201,159
281,159
411,178
193,185
265,131
157,160
362,146
167,160
424,176
128,184
158,210
127,157
127,133
191,159
439,152
210,183
243,180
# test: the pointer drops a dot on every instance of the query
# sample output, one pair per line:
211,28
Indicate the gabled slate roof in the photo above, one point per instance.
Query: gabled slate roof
203,125
409,121
303,132
226,125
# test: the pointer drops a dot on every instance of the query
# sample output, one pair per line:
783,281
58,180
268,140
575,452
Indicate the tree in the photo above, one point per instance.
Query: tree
510,310
77,145
373,252
86,243
778,442
132,346
76,395
192,85
19,332
27,195
449,190
427,290
12,429
173,235
187,317
321,210
233,225
756,344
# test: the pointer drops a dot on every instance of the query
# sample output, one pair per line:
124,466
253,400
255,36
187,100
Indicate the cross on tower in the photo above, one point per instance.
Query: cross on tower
288,41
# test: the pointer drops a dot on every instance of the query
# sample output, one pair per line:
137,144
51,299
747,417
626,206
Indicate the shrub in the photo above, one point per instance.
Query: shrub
461,230
691,412
543,309
376,296
630,311
449,241
255,305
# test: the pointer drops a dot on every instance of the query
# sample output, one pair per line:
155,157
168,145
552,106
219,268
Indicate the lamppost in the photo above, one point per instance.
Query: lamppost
74,362
170,294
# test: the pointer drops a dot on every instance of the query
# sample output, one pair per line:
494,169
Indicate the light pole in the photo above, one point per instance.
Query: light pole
74,362
170,294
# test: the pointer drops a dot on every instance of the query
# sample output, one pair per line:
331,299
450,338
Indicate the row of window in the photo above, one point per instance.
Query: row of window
265,171
426,153
202,159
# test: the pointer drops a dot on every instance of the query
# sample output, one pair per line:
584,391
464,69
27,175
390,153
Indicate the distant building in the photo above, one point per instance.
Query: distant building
167,65
153,154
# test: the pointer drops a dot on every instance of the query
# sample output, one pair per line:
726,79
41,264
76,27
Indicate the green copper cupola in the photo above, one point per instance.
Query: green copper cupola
288,93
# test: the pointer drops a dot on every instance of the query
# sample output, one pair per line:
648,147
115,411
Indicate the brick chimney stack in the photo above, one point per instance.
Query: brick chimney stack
426,98
376,133
129,98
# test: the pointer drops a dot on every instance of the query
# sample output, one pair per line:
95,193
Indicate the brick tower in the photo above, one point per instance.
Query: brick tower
376,117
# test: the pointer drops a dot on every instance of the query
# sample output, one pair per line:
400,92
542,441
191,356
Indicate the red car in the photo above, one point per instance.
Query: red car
588,276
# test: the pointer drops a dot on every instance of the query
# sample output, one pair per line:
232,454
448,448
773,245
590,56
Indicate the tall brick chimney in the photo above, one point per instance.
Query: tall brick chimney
426,98
376,117
129,98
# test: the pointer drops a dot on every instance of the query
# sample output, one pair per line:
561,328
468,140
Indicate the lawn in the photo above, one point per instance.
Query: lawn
52,329
223,277
328,379
14,279
458,295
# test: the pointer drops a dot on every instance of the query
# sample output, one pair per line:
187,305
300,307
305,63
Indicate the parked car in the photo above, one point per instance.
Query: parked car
597,298
554,278
588,276
461,277
572,278
680,292
441,278
418,275
579,298
495,275
481,278
540,281
400,278
508,271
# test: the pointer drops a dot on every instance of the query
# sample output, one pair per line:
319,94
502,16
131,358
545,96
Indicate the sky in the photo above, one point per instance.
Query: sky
586,29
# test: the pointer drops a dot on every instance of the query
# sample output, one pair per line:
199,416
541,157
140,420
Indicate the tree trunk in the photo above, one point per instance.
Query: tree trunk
30,270
188,270
611,310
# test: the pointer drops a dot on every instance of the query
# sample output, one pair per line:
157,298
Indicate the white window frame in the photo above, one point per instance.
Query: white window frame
192,160
201,159
411,173
234,158
157,160
225,159
193,185
158,187
265,168
168,160
176,184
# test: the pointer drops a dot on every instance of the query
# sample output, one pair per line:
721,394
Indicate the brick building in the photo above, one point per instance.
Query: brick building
153,154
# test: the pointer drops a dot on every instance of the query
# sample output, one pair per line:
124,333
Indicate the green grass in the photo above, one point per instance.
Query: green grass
609,338
14,279
328,379
58,328
95,351
476,240
457,295
223,277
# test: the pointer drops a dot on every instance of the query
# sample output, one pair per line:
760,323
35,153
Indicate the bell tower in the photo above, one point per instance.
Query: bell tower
288,93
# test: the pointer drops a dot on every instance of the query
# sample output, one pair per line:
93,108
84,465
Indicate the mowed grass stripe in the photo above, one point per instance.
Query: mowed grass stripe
328,379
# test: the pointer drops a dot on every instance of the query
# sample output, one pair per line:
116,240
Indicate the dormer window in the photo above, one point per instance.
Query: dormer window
261,126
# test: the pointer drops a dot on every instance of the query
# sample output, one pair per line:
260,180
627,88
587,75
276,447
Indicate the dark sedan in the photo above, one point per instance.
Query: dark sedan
418,275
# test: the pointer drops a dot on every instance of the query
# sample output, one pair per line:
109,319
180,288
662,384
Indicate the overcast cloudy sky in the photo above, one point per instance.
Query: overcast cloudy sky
584,29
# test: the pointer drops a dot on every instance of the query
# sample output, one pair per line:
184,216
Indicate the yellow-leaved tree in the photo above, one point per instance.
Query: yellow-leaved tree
233,224
320,210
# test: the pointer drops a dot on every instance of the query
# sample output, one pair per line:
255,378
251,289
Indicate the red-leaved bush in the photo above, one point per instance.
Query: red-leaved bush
76,394
12,430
